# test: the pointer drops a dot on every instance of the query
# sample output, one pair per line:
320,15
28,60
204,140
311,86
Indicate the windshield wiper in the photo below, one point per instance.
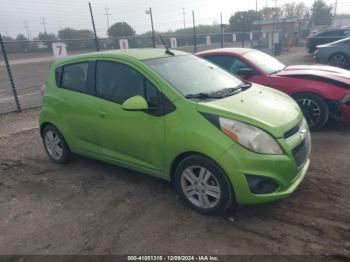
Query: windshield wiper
221,93
244,85
201,96
225,92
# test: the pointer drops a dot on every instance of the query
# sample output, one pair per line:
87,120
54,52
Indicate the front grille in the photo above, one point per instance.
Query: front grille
301,152
294,130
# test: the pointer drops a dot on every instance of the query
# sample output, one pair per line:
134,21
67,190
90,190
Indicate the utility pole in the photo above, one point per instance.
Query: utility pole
256,6
184,17
149,12
107,15
43,22
94,28
27,28
194,34
221,31
274,25
335,7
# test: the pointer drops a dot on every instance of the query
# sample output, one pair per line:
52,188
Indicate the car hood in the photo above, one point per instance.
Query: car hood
335,75
264,107
324,45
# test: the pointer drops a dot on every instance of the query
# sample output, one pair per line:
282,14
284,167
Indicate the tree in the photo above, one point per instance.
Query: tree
270,13
120,29
69,33
7,38
321,13
294,10
242,21
47,37
23,44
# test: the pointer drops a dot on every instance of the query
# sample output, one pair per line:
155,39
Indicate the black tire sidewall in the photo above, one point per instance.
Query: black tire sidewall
324,110
66,154
227,195
344,55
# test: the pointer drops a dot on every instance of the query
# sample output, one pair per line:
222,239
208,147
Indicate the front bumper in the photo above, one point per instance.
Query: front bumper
319,57
281,169
345,112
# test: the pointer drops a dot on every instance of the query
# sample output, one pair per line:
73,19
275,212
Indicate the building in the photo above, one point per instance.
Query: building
341,20
281,30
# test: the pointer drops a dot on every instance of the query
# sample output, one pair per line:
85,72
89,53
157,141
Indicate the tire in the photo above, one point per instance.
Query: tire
55,145
208,191
339,60
315,110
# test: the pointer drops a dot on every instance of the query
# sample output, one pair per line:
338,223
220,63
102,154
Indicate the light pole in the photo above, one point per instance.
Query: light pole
149,12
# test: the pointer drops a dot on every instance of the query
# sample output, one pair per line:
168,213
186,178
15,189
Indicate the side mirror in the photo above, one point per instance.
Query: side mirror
135,103
246,72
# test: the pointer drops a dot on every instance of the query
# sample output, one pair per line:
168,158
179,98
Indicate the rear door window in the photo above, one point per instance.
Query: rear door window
74,77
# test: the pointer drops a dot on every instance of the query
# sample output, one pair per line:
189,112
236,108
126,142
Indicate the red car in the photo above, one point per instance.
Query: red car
322,92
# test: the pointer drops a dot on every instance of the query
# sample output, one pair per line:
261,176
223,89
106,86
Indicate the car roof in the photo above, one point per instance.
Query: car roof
136,53
240,51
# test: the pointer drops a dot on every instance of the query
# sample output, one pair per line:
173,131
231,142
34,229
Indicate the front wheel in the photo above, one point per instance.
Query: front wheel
339,60
315,110
203,185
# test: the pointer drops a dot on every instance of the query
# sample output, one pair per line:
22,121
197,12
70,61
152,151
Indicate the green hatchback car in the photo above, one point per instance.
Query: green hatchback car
173,115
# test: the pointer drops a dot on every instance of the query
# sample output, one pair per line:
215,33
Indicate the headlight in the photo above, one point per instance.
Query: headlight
250,137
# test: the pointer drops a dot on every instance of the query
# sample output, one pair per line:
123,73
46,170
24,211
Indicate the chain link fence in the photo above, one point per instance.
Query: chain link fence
30,60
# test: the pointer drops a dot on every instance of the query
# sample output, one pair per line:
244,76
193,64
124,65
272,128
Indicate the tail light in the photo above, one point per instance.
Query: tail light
42,89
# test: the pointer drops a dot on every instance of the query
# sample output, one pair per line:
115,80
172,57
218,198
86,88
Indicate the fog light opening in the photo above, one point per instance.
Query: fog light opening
261,185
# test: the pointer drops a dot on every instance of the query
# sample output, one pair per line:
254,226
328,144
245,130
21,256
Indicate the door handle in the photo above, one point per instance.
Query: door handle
101,113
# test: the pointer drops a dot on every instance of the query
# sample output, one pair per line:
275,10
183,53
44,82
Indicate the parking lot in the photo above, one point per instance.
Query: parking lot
89,207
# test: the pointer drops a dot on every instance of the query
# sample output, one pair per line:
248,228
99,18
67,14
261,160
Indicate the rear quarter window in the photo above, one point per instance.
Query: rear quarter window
58,72
73,77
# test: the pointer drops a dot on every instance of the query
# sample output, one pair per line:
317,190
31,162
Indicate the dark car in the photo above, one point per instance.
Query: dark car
325,37
336,53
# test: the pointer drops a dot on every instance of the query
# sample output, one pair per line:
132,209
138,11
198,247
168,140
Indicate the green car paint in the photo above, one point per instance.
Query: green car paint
130,136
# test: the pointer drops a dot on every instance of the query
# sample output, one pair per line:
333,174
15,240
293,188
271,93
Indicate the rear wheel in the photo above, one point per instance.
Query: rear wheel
55,145
339,60
203,185
315,110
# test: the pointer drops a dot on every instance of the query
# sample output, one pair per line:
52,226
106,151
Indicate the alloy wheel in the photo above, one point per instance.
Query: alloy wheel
200,187
338,60
53,144
311,110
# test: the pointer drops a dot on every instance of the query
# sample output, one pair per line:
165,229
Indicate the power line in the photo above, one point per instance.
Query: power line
335,7
27,28
184,16
43,22
107,14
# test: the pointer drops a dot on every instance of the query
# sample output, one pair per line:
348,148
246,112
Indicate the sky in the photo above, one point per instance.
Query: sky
167,14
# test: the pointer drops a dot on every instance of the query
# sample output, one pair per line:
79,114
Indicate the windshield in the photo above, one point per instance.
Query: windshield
191,75
265,62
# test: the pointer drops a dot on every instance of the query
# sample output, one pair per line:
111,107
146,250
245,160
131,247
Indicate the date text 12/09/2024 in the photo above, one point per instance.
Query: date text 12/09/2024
173,258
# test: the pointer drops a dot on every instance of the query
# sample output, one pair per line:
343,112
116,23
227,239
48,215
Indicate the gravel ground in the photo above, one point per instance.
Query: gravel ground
89,207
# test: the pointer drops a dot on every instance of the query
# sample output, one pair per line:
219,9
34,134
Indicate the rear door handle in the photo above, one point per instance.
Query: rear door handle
101,113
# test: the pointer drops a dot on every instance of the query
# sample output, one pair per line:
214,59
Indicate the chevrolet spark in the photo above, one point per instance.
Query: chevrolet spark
218,139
